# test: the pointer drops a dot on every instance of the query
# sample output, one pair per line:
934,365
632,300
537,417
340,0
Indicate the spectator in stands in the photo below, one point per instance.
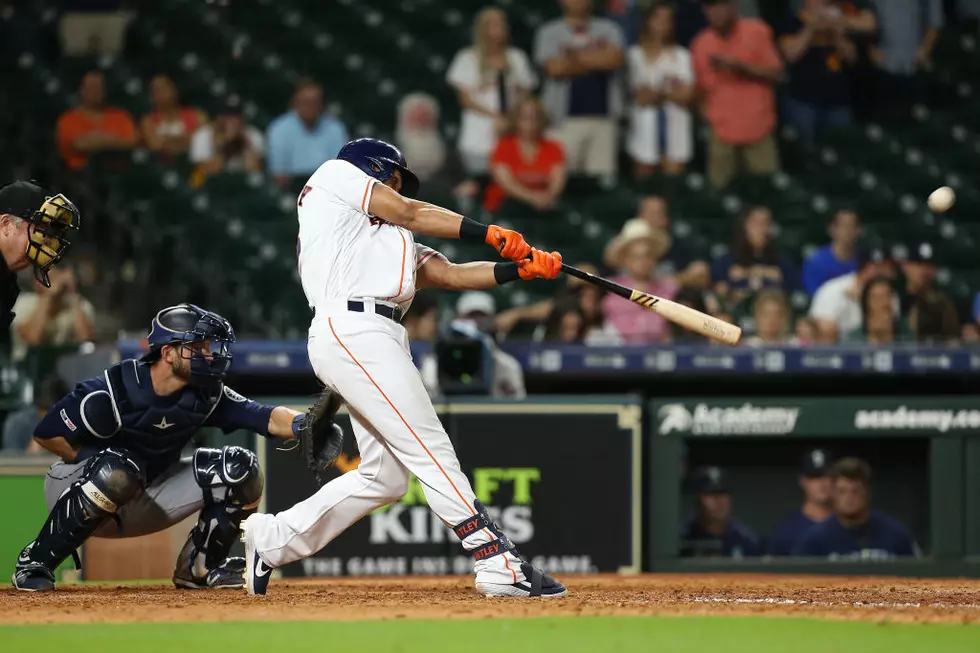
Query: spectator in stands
806,330
168,128
817,503
909,32
228,144
18,427
438,167
753,263
490,79
633,322
565,324
91,126
303,138
836,306
55,316
527,168
584,298
422,319
934,319
661,82
421,323
581,56
919,270
679,261
577,316
820,58
736,66
691,20
91,27
771,314
713,532
932,314
855,531
880,324
836,258
693,298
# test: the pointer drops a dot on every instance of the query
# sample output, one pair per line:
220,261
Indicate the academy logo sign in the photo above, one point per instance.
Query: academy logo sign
728,420
903,418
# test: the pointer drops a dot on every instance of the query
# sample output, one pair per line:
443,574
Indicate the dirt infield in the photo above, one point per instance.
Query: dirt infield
874,599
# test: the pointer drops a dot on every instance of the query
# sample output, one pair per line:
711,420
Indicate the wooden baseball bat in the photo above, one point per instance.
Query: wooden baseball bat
685,316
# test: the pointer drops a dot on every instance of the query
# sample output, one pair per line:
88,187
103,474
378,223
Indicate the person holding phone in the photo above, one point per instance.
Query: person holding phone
736,66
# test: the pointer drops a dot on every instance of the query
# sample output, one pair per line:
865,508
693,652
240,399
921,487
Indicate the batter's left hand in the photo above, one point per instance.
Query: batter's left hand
509,243
541,265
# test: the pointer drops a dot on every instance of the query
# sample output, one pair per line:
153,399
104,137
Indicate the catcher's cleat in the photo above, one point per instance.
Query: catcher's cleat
227,576
30,576
257,574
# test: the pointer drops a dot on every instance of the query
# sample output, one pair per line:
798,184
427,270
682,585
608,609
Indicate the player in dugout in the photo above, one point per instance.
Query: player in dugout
712,531
855,531
817,503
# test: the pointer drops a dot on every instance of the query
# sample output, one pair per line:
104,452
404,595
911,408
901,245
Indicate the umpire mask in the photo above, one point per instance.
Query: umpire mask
50,220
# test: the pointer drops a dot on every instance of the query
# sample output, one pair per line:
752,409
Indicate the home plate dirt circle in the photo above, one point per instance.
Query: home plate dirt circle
343,599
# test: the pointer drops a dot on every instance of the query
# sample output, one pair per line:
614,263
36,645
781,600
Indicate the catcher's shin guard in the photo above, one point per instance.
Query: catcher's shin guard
232,483
110,480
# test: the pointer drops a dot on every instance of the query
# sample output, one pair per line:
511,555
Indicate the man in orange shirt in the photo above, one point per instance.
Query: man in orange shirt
92,127
736,65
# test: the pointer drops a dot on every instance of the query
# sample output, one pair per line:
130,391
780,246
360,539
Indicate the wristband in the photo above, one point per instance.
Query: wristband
298,422
506,272
472,230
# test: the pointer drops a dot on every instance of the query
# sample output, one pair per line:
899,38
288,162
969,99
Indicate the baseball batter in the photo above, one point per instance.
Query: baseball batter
360,267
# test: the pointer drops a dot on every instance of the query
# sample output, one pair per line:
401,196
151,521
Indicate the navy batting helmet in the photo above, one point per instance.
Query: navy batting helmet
380,160
185,324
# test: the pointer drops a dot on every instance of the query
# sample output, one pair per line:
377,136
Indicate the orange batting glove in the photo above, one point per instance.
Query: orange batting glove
508,242
541,265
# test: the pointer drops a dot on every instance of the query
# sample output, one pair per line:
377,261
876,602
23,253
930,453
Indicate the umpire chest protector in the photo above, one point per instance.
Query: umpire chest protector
152,427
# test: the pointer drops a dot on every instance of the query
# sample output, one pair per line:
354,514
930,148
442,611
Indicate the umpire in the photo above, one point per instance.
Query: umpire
34,230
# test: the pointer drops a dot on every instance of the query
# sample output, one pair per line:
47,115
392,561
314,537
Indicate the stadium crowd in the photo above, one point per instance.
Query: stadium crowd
606,90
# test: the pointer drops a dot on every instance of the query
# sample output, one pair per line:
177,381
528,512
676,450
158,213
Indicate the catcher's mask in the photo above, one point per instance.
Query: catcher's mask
202,337
49,221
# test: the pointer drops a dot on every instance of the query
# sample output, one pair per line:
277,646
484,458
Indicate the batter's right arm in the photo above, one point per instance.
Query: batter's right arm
431,220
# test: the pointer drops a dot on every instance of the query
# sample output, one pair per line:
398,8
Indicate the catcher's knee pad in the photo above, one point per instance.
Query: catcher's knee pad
232,483
110,480
229,475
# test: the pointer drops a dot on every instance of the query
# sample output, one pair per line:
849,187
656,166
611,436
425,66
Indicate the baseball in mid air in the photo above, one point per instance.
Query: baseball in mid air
941,199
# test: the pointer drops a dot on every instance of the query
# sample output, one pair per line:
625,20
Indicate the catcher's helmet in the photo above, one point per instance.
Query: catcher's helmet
49,218
185,324
380,160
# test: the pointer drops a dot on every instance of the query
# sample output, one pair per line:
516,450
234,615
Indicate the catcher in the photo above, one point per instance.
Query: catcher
120,435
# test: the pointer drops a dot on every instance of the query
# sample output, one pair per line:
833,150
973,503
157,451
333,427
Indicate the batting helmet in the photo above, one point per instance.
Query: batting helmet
185,324
380,159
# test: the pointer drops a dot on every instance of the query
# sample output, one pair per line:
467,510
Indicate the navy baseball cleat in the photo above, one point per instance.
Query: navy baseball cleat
536,584
30,576
257,573
229,575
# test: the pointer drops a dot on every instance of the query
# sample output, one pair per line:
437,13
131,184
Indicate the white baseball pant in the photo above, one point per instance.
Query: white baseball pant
367,360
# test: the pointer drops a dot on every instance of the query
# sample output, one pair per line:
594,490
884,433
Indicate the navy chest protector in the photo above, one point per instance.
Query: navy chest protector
155,431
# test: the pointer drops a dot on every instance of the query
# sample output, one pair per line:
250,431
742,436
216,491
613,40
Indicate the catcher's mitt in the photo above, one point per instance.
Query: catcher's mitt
320,440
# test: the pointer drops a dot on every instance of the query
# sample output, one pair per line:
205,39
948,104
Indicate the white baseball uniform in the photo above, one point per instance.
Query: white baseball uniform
345,254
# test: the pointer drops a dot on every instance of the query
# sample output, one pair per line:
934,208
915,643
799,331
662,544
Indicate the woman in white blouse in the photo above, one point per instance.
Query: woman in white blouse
490,78
662,86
